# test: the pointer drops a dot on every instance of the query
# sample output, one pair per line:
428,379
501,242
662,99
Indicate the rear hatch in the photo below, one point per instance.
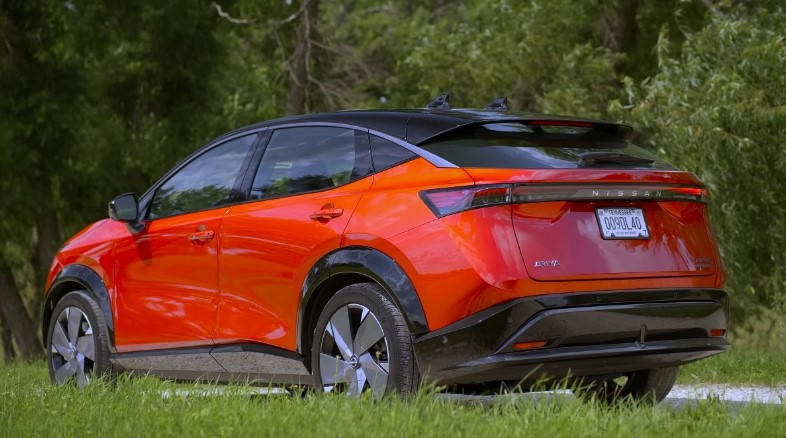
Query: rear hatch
584,202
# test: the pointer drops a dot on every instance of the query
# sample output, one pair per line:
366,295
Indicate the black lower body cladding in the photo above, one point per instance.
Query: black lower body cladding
585,334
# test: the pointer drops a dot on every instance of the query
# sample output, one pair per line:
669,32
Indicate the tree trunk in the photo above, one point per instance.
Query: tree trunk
16,319
8,344
301,58
621,26
46,245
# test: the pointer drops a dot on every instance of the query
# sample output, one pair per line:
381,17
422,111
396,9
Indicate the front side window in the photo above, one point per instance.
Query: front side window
299,160
206,182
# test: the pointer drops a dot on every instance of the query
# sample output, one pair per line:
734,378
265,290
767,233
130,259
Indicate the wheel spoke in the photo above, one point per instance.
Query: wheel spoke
334,370
376,375
81,376
86,346
74,320
64,373
341,332
369,333
363,361
60,341
357,384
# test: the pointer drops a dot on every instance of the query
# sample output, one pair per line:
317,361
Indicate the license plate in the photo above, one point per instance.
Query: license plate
622,223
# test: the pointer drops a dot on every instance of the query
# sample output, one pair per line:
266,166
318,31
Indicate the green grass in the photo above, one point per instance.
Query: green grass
740,366
31,406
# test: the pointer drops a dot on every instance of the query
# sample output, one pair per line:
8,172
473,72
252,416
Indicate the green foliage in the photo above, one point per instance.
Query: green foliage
764,332
755,359
718,109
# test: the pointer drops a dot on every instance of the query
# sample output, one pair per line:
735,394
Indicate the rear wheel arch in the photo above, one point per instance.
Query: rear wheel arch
352,265
73,278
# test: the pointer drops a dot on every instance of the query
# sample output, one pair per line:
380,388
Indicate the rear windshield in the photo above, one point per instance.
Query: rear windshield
520,146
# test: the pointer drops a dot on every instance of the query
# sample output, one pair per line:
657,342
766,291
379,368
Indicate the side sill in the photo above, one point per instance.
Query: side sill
246,363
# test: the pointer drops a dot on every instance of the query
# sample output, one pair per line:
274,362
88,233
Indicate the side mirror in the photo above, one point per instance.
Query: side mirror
124,208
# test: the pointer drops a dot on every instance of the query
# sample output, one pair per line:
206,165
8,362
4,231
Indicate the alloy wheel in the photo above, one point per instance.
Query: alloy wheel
73,347
354,354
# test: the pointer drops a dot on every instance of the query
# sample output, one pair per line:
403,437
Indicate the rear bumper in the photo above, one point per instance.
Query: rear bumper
587,334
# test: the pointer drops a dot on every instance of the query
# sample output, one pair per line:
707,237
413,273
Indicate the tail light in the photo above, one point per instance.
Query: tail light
453,200
449,201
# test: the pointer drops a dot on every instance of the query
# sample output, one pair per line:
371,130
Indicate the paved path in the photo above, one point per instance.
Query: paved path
680,396
731,393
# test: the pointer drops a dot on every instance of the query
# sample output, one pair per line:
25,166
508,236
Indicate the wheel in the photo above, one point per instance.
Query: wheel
77,345
647,385
361,342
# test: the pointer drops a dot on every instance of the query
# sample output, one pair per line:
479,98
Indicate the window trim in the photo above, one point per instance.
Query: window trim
145,201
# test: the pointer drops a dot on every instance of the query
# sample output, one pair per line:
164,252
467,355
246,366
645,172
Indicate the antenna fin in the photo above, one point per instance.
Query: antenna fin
441,102
498,104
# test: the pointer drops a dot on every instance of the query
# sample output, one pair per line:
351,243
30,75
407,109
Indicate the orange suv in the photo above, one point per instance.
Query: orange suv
374,250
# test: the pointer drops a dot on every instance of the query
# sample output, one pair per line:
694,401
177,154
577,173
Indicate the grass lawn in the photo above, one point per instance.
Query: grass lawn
739,366
31,406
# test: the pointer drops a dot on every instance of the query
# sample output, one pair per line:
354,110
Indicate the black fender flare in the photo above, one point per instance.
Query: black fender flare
376,266
88,279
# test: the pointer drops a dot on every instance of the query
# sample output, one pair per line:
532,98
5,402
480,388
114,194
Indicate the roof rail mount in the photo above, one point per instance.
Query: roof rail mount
441,102
498,104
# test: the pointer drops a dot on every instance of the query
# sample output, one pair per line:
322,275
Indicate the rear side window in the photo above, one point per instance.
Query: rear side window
387,154
299,160
521,146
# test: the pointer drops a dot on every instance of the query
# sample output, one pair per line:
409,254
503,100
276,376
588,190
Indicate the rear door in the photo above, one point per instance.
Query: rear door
304,191
167,274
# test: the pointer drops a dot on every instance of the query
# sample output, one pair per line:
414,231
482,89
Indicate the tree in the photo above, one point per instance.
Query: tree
86,118
300,64
717,109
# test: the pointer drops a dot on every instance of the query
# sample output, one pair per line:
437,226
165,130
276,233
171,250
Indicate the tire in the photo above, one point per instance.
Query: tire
77,341
343,356
648,386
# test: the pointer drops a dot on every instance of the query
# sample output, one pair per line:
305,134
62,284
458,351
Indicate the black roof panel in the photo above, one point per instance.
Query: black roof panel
416,125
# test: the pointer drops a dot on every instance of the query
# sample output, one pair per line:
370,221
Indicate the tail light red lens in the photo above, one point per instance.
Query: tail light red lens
449,201
531,345
453,200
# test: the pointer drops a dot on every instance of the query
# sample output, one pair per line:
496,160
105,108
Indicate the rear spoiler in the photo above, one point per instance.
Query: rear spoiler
623,132
496,111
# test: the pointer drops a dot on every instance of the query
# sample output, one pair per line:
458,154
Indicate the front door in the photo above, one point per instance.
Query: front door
167,275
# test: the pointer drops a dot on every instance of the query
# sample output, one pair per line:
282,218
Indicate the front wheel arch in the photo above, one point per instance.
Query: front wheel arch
78,277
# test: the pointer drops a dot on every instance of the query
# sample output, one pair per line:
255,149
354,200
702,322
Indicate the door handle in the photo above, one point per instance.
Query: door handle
201,236
327,212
